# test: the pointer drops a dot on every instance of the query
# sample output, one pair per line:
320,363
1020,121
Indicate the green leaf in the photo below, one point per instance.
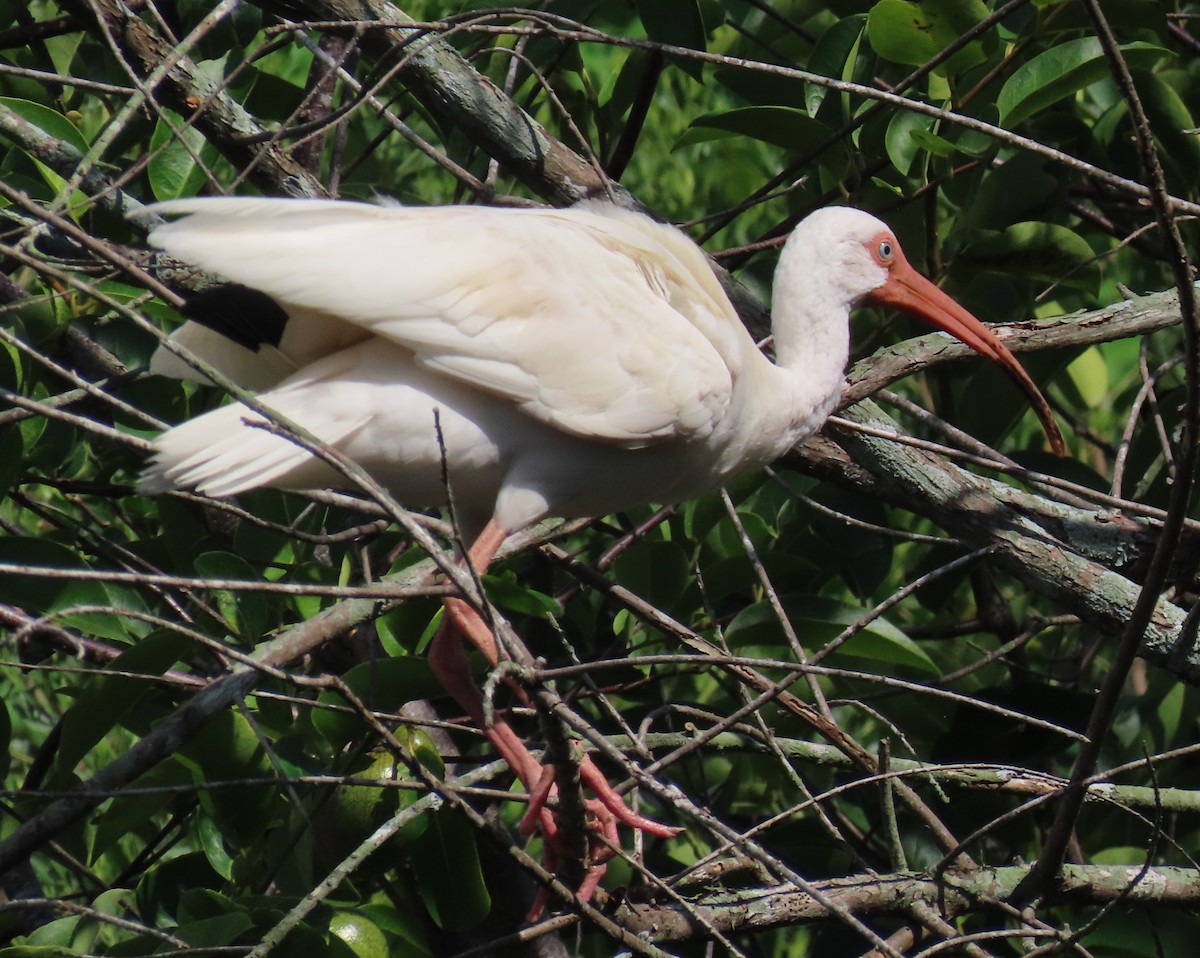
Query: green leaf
407,629
227,747
226,743
901,141
245,612
932,143
361,934
5,739
1173,126
106,699
58,126
817,620
761,89
449,878
1061,71
40,595
115,902
216,932
12,455
12,372
1170,713
834,56
657,571
1089,373
678,23
1015,191
135,814
1043,251
403,924
162,888
48,120
212,843
52,938
1120,855
509,594
181,158
782,126
914,33
383,685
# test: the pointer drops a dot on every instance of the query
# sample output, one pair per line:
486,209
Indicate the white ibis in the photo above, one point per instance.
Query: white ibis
579,362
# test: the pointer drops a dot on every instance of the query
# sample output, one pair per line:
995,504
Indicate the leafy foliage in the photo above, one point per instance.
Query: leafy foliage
868,663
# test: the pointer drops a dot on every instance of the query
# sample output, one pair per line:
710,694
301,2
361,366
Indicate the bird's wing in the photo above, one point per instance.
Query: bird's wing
597,321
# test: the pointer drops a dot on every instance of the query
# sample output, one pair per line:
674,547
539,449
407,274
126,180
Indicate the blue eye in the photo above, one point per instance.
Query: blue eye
885,250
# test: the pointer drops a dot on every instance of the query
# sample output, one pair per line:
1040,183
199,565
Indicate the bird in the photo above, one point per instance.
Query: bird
571,362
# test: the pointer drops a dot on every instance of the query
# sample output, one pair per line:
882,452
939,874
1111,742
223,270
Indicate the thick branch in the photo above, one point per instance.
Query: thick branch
195,94
1028,547
954,894
457,93
1132,317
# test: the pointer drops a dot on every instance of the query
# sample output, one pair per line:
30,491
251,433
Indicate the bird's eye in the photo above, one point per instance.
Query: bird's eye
884,250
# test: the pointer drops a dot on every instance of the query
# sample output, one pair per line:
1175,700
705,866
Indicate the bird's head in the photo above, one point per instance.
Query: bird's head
852,251
860,257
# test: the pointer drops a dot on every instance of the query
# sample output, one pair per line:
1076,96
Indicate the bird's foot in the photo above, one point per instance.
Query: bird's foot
607,803
603,814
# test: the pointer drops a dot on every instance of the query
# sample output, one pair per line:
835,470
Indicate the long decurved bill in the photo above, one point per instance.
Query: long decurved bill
908,290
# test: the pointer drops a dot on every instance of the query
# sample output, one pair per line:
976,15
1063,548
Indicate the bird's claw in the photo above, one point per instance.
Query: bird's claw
604,813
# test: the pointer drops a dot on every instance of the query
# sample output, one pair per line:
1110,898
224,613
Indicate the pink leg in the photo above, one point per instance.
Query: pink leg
449,663
469,624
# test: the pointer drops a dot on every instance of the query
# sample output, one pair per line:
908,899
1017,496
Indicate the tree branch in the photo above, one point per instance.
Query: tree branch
951,895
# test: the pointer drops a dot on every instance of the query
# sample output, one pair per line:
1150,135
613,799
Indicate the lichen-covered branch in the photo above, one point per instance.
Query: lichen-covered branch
950,894
1035,549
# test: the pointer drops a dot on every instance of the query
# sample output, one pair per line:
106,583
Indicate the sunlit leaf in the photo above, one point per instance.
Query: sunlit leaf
914,33
362,935
405,925
61,128
903,145
1062,70
1089,372
77,603
181,160
47,120
1170,712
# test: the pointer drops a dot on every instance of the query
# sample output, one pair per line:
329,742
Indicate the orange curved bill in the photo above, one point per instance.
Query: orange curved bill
908,290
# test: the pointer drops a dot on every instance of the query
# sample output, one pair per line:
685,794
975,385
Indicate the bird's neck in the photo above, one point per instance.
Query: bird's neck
810,321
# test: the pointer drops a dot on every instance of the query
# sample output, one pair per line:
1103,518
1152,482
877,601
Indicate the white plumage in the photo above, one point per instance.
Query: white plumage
578,361
581,361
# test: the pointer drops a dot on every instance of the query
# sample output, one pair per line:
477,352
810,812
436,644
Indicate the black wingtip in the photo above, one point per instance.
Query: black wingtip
246,316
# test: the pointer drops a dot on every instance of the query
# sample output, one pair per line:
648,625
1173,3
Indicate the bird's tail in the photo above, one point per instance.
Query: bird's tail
228,451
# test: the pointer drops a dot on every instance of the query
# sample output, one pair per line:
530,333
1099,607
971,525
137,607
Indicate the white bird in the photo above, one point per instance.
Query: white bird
579,362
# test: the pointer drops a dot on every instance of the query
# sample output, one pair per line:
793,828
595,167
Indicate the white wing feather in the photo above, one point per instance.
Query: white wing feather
595,320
